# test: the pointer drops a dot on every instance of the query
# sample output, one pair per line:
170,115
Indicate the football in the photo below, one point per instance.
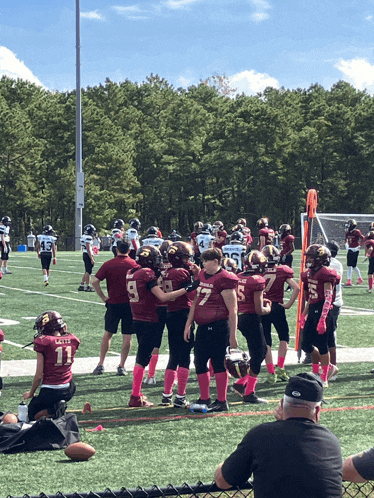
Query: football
80,451
9,418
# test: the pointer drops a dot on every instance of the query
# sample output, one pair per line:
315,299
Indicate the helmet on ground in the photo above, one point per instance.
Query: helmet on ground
242,221
152,231
89,229
230,265
272,254
48,230
317,256
351,225
148,257
237,363
206,228
178,252
369,235
255,262
236,238
6,220
218,226
284,229
49,322
135,223
119,223
262,223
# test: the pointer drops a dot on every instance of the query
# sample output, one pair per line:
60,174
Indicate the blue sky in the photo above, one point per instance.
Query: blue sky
256,43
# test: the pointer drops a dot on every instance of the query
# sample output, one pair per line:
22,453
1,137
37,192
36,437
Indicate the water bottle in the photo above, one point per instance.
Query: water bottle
22,412
198,408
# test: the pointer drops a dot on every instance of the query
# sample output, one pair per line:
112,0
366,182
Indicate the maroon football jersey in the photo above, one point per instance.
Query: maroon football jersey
114,272
194,243
172,280
247,286
354,238
165,266
275,278
58,353
210,306
218,244
142,301
247,236
369,243
314,282
269,235
286,244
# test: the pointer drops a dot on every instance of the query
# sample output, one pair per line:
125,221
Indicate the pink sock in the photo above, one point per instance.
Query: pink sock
325,369
204,383
222,381
182,374
242,381
251,385
152,366
281,360
271,368
315,368
137,380
370,281
170,376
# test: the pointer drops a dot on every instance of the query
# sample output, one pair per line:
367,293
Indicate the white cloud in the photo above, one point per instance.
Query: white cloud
251,82
260,13
184,82
132,12
358,72
92,15
178,4
14,68
369,18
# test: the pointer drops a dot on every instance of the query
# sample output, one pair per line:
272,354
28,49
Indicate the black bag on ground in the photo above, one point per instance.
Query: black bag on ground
44,434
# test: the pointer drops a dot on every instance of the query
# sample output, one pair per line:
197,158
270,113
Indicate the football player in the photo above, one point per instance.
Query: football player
195,246
276,276
5,244
88,259
143,290
220,234
265,234
152,238
180,273
369,253
353,242
319,286
55,349
174,236
287,244
246,231
214,309
132,236
205,238
117,233
251,306
46,249
235,249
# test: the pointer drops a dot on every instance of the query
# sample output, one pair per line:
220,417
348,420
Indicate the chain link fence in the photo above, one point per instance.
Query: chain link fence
200,489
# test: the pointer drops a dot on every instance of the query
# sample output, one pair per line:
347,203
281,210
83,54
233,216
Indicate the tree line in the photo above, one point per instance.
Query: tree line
172,156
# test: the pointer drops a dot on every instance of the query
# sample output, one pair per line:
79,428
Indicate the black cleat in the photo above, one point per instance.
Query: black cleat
252,398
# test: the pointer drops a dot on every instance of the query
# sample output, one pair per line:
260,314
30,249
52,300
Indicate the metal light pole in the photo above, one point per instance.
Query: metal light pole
79,197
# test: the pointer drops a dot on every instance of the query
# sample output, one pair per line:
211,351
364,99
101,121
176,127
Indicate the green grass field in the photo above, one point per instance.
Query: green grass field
161,445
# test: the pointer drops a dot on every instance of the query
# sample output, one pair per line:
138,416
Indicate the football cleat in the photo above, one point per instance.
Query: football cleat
140,402
81,288
121,371
46,283
89,289
333,370
98,370
307,360
180,401
6,272
271,378
218,406
348,283
166,399
360,281
202,402
150,380
369,291
325,383
252,398
282,374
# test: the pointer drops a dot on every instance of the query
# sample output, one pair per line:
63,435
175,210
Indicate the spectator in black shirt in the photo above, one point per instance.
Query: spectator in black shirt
360,467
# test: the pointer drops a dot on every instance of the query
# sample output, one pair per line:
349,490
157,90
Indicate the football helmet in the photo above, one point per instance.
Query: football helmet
230,265
89,229
272,254
206,228
236,238
371,228
237,363
177,252
351,225
119,223
49,322
218,226
370,235
255,262
317,256
48,230
164,247
242,221
262,223
5,220
152,231
148,257
135,223
198,226
284,230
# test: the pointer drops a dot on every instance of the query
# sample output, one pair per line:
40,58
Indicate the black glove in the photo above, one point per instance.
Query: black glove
192,286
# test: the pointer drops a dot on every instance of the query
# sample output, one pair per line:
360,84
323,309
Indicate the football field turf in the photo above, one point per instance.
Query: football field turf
145,447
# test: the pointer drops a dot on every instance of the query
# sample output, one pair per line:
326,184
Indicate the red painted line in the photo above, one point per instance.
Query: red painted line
210,415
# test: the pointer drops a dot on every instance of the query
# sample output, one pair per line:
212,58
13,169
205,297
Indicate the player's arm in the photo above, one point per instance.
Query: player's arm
98,290
262,242
292,248
187,327
219,479
37,248
164,297
37,377
328,293
350,472
89,252
54,252
369,252
261,307
231,301
295,292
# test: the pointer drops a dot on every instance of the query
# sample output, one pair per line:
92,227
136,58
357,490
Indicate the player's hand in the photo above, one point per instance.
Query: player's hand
233,343
27,395
92,261
5,249
302,320
187,333
39,256
321,327
54,261
365,259
194,269
192,286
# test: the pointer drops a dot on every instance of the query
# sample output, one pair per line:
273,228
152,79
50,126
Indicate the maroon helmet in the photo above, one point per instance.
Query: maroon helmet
164,247
370,235
317,256
230,265
272,254
262,223
255,262
177,254
148,257
242,221
218,226
49,322
237,363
